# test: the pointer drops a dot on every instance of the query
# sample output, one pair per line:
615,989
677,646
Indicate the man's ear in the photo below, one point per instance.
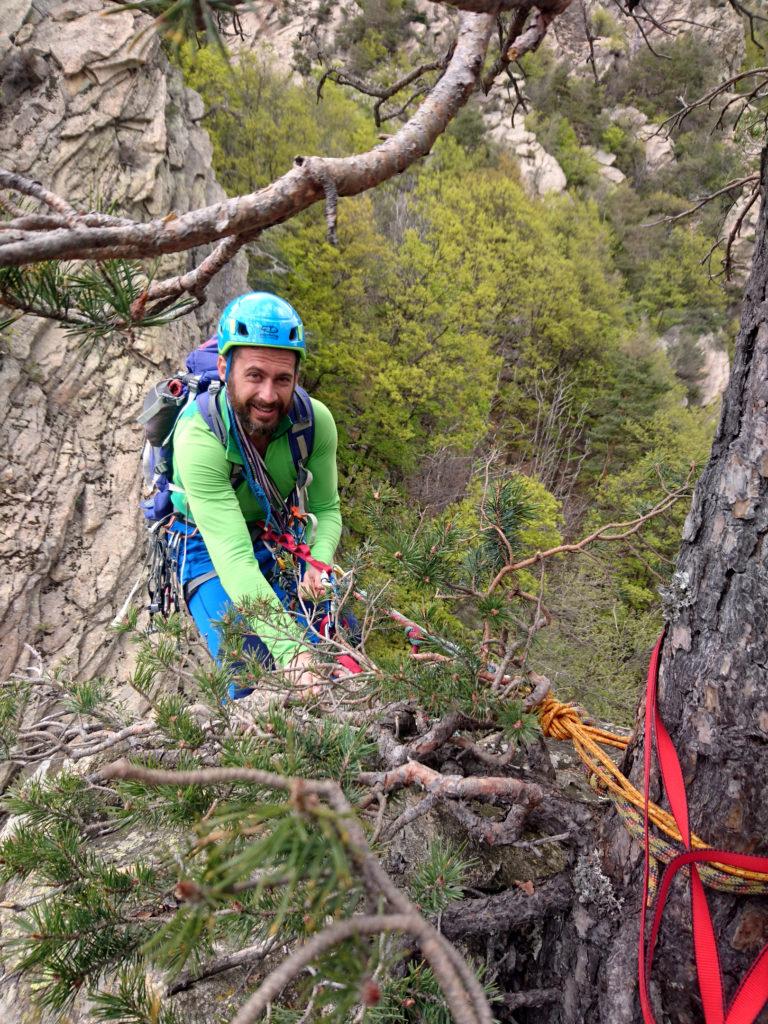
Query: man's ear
221,366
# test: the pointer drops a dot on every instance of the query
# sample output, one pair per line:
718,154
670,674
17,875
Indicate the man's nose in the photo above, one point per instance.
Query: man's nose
268,392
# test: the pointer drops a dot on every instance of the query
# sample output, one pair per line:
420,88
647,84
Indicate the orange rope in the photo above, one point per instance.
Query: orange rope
564,722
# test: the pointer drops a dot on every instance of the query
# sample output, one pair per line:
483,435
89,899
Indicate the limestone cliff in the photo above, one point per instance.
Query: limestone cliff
94,110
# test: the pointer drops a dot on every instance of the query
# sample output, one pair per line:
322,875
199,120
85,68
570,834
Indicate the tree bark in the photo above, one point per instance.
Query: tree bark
713,698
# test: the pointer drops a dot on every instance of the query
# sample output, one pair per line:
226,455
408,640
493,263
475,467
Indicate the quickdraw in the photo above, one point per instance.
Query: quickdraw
162,585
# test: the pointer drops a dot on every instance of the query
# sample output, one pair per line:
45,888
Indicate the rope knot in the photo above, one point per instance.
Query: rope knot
557,719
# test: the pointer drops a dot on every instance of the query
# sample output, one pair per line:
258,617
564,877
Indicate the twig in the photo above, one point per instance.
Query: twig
501,790
288,195
463,992
409,815
36,190
249,955
627,529
739,183
300,958
195,282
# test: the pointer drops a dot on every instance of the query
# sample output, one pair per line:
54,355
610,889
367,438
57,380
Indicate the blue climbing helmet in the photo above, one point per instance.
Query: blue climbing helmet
261,319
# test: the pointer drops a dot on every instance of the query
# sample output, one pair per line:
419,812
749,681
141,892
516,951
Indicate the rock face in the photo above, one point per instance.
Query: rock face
715,22
98,116
540,172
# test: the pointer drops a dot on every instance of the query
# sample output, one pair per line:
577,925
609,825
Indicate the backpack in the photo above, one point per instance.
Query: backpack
201,383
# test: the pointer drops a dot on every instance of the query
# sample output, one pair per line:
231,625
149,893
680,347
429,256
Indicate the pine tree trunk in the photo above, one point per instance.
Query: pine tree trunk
713,697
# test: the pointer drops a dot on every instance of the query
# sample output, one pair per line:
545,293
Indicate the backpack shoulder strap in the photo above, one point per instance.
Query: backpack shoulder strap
208,404
301,438
302,434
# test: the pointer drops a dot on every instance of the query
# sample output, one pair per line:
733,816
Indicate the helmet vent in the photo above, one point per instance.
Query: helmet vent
293,334
242,328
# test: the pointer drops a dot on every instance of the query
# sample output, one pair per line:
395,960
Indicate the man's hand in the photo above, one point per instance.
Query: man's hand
312,585
303,678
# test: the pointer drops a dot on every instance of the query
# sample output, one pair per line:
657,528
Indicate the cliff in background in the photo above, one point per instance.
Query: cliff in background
98,115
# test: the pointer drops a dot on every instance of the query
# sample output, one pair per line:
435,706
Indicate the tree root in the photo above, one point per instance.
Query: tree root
506,911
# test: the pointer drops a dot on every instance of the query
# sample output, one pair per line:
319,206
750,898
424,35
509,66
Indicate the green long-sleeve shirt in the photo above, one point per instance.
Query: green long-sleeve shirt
202,468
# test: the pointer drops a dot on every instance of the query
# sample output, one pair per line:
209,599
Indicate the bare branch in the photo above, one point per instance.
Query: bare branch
734,232
248,955
382,92
286,196
625,529
34,189
463,992
752,17
195,282
738,183
288,969
456,787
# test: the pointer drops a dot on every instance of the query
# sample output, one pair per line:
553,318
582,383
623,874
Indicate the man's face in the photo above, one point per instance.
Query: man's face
261,384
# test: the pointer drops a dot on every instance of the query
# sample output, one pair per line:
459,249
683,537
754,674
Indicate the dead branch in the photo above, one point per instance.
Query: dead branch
751,16
626,529
738,183
301,957
533,997
382,93
247,956
331,197
486,830
500,790
541,688
195,282
503,61
736,229
35,190
296,190
676,120
441,732
482,755
410,814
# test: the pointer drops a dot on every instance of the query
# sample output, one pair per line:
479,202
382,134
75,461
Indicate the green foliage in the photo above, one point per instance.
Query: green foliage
677,287
87,697
509,508
92,300
557,96
414,995
176,722
259,118
179,21
558,136
133,1002
439,878
684,65
375,33
603,23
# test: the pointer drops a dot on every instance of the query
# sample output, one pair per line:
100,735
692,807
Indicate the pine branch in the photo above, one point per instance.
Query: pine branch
462,990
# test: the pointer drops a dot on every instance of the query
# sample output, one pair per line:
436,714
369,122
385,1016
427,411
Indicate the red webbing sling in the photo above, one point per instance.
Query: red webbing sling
752,993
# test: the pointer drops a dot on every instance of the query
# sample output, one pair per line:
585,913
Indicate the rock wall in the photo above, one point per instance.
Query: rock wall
95,112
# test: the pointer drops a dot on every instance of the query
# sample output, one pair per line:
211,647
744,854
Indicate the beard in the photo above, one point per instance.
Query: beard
255,426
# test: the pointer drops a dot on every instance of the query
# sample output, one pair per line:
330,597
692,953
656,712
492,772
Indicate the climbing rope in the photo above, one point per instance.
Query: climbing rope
564,722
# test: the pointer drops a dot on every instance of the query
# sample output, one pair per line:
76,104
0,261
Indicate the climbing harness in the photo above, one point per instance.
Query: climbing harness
326,627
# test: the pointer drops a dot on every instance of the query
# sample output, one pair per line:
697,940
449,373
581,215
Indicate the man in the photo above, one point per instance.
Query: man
222,489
